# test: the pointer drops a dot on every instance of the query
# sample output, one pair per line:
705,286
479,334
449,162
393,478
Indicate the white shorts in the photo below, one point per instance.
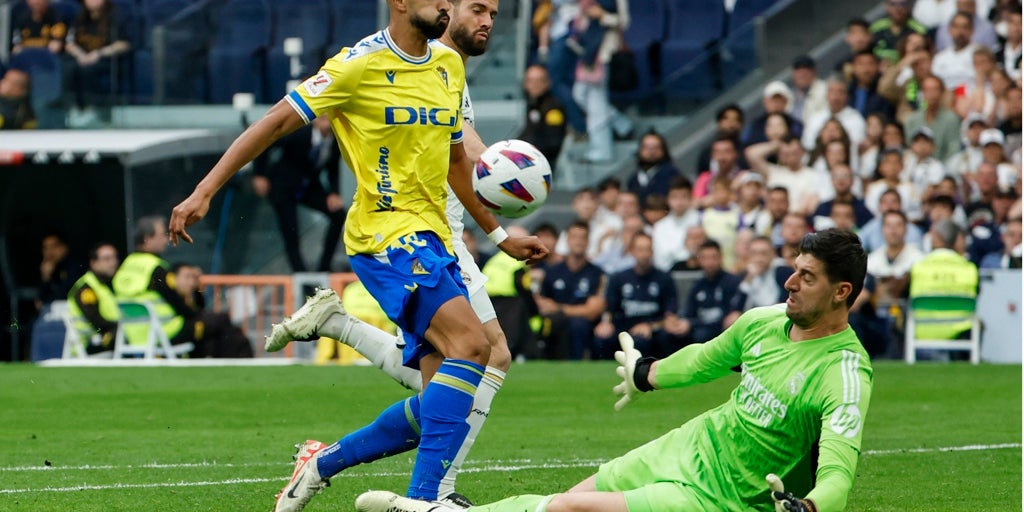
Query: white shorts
474,280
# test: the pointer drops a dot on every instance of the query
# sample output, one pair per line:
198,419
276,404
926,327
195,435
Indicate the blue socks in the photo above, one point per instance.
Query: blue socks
396,430
446,403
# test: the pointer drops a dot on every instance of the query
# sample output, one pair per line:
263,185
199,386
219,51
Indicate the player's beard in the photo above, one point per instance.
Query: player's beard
431,30
464,39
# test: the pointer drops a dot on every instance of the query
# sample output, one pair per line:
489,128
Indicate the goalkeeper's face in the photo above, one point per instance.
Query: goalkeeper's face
430,17
811,295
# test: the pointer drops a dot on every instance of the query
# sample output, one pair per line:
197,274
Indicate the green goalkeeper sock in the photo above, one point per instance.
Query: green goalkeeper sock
525,502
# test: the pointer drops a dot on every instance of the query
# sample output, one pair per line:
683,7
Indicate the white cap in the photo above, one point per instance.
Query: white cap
778,88
991,136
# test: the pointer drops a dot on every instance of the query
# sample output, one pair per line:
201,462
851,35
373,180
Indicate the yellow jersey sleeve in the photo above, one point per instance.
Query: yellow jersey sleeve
330,88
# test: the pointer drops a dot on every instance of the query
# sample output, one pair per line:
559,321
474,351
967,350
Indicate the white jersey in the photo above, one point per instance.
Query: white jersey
454,211
471,274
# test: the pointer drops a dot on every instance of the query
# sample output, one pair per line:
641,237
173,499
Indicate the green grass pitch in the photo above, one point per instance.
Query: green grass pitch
938,437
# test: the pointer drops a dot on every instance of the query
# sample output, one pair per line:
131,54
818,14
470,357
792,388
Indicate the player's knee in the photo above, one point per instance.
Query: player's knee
475,349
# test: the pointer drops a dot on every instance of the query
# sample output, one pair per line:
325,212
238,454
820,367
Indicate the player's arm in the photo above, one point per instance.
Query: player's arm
472,142
281,120
460,177
88,303
845,393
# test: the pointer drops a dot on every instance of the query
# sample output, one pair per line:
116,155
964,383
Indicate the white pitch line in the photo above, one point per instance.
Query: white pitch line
496,465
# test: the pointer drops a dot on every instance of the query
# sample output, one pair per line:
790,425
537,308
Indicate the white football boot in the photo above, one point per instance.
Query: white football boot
387,501
304,324
305,482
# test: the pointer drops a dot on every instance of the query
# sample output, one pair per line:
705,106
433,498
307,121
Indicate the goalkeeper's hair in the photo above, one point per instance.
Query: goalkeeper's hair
843,256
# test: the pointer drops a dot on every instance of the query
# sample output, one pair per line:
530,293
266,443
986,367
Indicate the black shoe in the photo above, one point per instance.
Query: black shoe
457,500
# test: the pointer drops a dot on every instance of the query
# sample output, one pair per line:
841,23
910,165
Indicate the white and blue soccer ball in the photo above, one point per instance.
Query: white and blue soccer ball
512,178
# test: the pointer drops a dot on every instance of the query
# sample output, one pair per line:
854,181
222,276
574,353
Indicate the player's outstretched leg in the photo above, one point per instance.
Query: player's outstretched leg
387,501
305,482
324,315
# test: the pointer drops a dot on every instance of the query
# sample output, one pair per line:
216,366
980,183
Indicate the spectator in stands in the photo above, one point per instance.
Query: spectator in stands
993,151
933,14
1008,55
982,31
721,219
838,107
669,233
921,168
554,52
777,205
570,301
545,116
610,226
895,26
842,184
891,263
858,39
871,235
863,87
655,209
868,149
777,98
38,27
893,137
548,235
145,276
294,177
758,281
799,180
901,83
969,158
725,158
977,96
890,170
655,169
748,188
831,147
615,256
1010,122
91,302
808,90
59,269
715,300
15,107
729,121
584,205
96,39
695,237
641,301
843,217
1010,256
955,64
604,122
943,122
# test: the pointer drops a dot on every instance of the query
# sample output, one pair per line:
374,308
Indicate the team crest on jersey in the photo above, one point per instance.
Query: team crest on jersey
444,74
466,279
796,383
318,84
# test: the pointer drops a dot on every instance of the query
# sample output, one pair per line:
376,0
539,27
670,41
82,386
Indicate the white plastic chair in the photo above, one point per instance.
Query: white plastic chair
955,309
157,344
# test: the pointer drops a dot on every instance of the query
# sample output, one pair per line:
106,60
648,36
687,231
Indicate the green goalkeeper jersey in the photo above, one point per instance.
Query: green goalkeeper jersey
791,395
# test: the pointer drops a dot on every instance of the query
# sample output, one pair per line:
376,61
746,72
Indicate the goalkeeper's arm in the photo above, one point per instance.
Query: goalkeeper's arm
785,501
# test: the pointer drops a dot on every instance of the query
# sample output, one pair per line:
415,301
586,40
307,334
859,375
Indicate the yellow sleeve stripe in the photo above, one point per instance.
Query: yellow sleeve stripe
452,382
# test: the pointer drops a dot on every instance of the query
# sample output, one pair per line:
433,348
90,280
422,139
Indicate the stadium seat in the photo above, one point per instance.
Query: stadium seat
47,84
694,27
350,22
153,13
955,309
643,37
67,10
74,345
303,19
237,59
143,312
739,48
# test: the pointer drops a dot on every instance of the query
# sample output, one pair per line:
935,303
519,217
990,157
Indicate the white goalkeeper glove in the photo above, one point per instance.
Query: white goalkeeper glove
633,369
785,501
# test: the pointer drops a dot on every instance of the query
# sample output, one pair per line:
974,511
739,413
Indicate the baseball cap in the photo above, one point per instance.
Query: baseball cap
778,88
924,131
749,177
803,61
991,136
975,117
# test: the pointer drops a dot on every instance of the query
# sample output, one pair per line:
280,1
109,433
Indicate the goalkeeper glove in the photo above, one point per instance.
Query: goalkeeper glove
633,369
785,501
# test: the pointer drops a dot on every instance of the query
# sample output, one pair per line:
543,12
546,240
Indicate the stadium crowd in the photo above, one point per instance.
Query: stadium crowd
918,124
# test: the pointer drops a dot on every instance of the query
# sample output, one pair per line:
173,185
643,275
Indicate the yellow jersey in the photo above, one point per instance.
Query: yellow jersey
395,116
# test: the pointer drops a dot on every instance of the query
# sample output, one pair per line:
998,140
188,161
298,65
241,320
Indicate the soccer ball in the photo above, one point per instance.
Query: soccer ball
512,178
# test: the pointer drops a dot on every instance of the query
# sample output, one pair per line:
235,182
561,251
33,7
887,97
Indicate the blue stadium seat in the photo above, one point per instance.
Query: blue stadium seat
237,59
740,55
67,10
297,18
152,13
644,36
47,84
127,10
350,22
694,27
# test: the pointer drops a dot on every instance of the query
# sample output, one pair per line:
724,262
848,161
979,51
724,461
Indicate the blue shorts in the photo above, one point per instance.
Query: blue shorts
411,280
